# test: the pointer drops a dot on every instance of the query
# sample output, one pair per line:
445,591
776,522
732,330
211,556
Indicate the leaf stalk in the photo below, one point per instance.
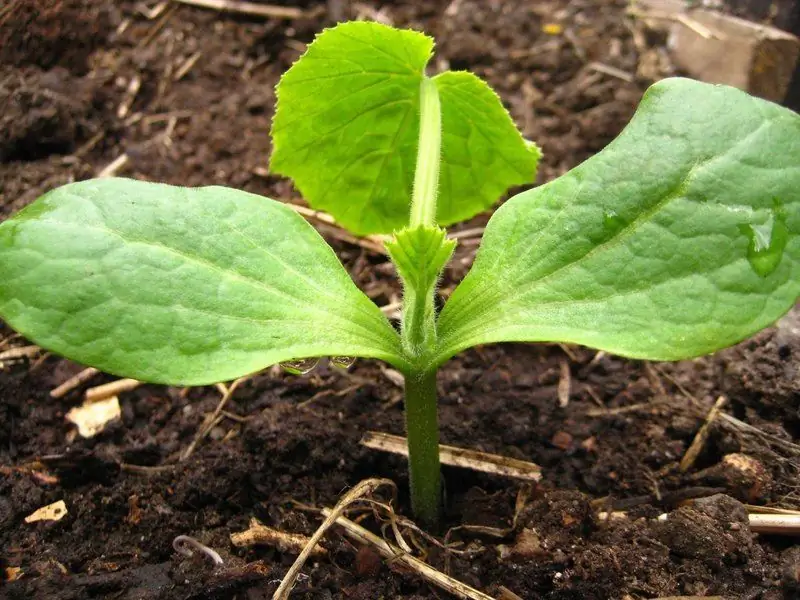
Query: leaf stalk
426,175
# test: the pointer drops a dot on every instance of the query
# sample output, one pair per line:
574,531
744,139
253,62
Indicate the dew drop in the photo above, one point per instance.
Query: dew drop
343,362
767,242
301,366
612,222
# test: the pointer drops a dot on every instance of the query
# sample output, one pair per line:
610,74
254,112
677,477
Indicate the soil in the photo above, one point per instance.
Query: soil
186,97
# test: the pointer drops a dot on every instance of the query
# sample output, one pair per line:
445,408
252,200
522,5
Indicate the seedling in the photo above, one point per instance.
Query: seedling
678,239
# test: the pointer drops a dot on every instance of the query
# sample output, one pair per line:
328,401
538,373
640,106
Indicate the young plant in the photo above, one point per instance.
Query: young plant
678,239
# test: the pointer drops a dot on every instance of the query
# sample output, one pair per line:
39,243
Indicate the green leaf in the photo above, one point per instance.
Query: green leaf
678,239
347,124
180,286
419,253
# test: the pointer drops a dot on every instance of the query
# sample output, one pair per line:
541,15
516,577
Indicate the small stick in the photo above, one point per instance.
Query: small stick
20,352
756,431
609,70
187,66
363,488
373,243
459,457
101,392
6,341
467,233
391,308
702,435
771,510
73,382
258,534
269,11
775,524
564,384
155,12
187,546
130,95
394,554
759,523
227,392
111,169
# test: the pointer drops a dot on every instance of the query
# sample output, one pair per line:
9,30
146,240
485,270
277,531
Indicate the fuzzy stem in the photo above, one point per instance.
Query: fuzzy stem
426,176
422,427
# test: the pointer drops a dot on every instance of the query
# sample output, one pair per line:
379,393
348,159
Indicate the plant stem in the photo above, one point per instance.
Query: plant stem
426,176
422,427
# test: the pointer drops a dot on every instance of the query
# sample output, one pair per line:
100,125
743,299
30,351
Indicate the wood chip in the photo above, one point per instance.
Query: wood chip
92,417
459,457
52,512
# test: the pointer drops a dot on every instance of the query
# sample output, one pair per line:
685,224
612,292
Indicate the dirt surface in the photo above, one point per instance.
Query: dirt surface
185,97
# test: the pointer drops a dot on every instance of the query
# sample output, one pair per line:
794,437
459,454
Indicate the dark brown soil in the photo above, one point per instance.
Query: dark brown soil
67,111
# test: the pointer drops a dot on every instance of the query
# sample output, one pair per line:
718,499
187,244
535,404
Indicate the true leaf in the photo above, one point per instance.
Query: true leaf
678,239
419,254
180,286
347,125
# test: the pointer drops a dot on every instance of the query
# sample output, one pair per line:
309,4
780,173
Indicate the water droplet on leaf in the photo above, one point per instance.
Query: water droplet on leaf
301,366
343,362
612,222
767,242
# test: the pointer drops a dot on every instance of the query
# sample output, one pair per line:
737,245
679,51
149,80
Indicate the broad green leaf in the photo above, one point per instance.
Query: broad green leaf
180,286
678,239
347,125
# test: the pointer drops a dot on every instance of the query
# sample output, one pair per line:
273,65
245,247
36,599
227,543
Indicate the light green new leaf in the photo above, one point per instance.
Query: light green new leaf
680,238
419,253
347,124
180,286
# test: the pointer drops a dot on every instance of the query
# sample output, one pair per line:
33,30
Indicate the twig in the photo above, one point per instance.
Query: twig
152,13
6,341
770,524
459,457
269,11
187,546
373,243
564,384
258,534
756,431
392,310
165,17
20,352
775,524
227,392
130,95
101,392
467,233
609,70
73,382
368,486
702,435
771,510
111,169
187,66
394,554
621,410
145,469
